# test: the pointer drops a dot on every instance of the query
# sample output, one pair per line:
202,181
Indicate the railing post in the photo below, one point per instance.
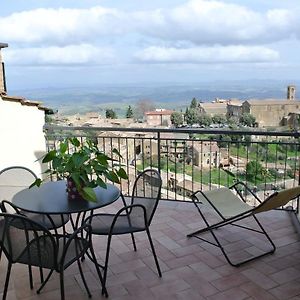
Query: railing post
158,152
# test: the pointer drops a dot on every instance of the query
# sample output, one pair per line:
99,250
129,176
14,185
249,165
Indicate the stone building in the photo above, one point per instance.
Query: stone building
234,109
213,108
20,121
273,112
205,154
159,117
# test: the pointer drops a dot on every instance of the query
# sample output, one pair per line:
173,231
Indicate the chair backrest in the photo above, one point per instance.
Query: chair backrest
14,179
146,191
28,242
278,199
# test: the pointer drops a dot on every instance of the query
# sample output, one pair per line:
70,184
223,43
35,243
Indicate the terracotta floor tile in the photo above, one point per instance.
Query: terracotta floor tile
260,279
191,268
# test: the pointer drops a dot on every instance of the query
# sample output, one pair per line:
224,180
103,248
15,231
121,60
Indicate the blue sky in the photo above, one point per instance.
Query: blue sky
69,43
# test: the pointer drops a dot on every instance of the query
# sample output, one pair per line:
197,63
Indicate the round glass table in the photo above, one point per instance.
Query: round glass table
51,198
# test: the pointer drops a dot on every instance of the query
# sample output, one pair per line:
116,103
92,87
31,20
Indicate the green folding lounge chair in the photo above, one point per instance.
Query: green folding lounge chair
231,207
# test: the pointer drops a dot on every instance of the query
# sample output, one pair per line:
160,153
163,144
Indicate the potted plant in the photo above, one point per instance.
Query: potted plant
83,165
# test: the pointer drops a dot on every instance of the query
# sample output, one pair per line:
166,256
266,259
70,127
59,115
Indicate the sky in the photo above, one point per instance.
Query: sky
65,43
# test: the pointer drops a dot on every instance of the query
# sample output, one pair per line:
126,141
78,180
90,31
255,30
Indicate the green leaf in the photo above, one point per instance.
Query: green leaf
56,162
89,194
76,178
99,169
122,173
37,182
101,183
112,176
75,142
103,159
63,147
78,159
115,151
49,156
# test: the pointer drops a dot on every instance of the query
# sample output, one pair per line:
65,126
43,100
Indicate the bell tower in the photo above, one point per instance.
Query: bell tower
291,93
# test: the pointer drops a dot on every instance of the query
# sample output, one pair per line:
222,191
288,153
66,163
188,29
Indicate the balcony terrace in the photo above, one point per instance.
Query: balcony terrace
191,268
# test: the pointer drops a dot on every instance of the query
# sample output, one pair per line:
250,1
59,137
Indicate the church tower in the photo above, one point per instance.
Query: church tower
291,93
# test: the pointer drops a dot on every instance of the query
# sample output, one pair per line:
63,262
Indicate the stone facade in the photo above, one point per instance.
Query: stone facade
215,108
159,117
271,112
205,154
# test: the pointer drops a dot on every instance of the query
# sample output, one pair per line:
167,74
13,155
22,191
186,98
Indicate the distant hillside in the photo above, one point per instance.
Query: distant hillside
84,99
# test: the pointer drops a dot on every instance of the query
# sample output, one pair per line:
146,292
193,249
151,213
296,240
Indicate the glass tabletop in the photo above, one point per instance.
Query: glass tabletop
52,198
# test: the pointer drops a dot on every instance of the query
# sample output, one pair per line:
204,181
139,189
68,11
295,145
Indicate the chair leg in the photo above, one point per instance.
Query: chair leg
153,251
219,245
265,233
7,280
30,276
104,291
44,282
62,285
133,241
106,263
41,274
83,278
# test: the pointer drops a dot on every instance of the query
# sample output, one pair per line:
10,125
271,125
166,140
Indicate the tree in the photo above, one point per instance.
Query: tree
129,112
223,141
143,106
219,119
176,118
194,103
110,114
192,116
247,120
253,169
204,119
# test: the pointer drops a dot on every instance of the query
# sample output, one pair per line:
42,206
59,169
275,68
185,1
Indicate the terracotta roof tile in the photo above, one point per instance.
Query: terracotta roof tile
24,101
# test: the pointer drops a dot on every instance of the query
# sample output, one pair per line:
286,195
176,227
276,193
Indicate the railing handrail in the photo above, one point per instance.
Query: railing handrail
294,134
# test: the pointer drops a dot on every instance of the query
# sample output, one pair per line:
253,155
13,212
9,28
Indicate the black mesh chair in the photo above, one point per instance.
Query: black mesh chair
14,179
131,218
28,242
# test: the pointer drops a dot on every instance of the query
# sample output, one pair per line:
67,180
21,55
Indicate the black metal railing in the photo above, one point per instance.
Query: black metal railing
192,159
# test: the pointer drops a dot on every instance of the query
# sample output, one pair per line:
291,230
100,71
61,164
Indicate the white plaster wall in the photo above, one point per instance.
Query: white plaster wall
22,139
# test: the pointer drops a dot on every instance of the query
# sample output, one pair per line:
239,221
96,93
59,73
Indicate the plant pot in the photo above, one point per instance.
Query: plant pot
72,191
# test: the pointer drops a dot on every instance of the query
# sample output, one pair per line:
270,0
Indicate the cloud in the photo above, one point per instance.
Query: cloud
200,22
198,31
200,55
60,26
205,22
72,55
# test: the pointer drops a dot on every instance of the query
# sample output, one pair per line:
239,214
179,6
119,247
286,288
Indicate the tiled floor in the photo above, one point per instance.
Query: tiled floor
191,268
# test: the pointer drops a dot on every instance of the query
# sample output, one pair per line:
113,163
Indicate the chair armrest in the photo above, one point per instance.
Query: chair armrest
119,214
234,186
128,208
10,204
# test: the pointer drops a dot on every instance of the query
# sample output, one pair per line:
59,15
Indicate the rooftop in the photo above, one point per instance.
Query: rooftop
24,101
3,45
191,269
272,101
160,112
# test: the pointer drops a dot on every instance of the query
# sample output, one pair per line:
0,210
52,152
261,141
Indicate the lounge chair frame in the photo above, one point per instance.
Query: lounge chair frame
274,201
